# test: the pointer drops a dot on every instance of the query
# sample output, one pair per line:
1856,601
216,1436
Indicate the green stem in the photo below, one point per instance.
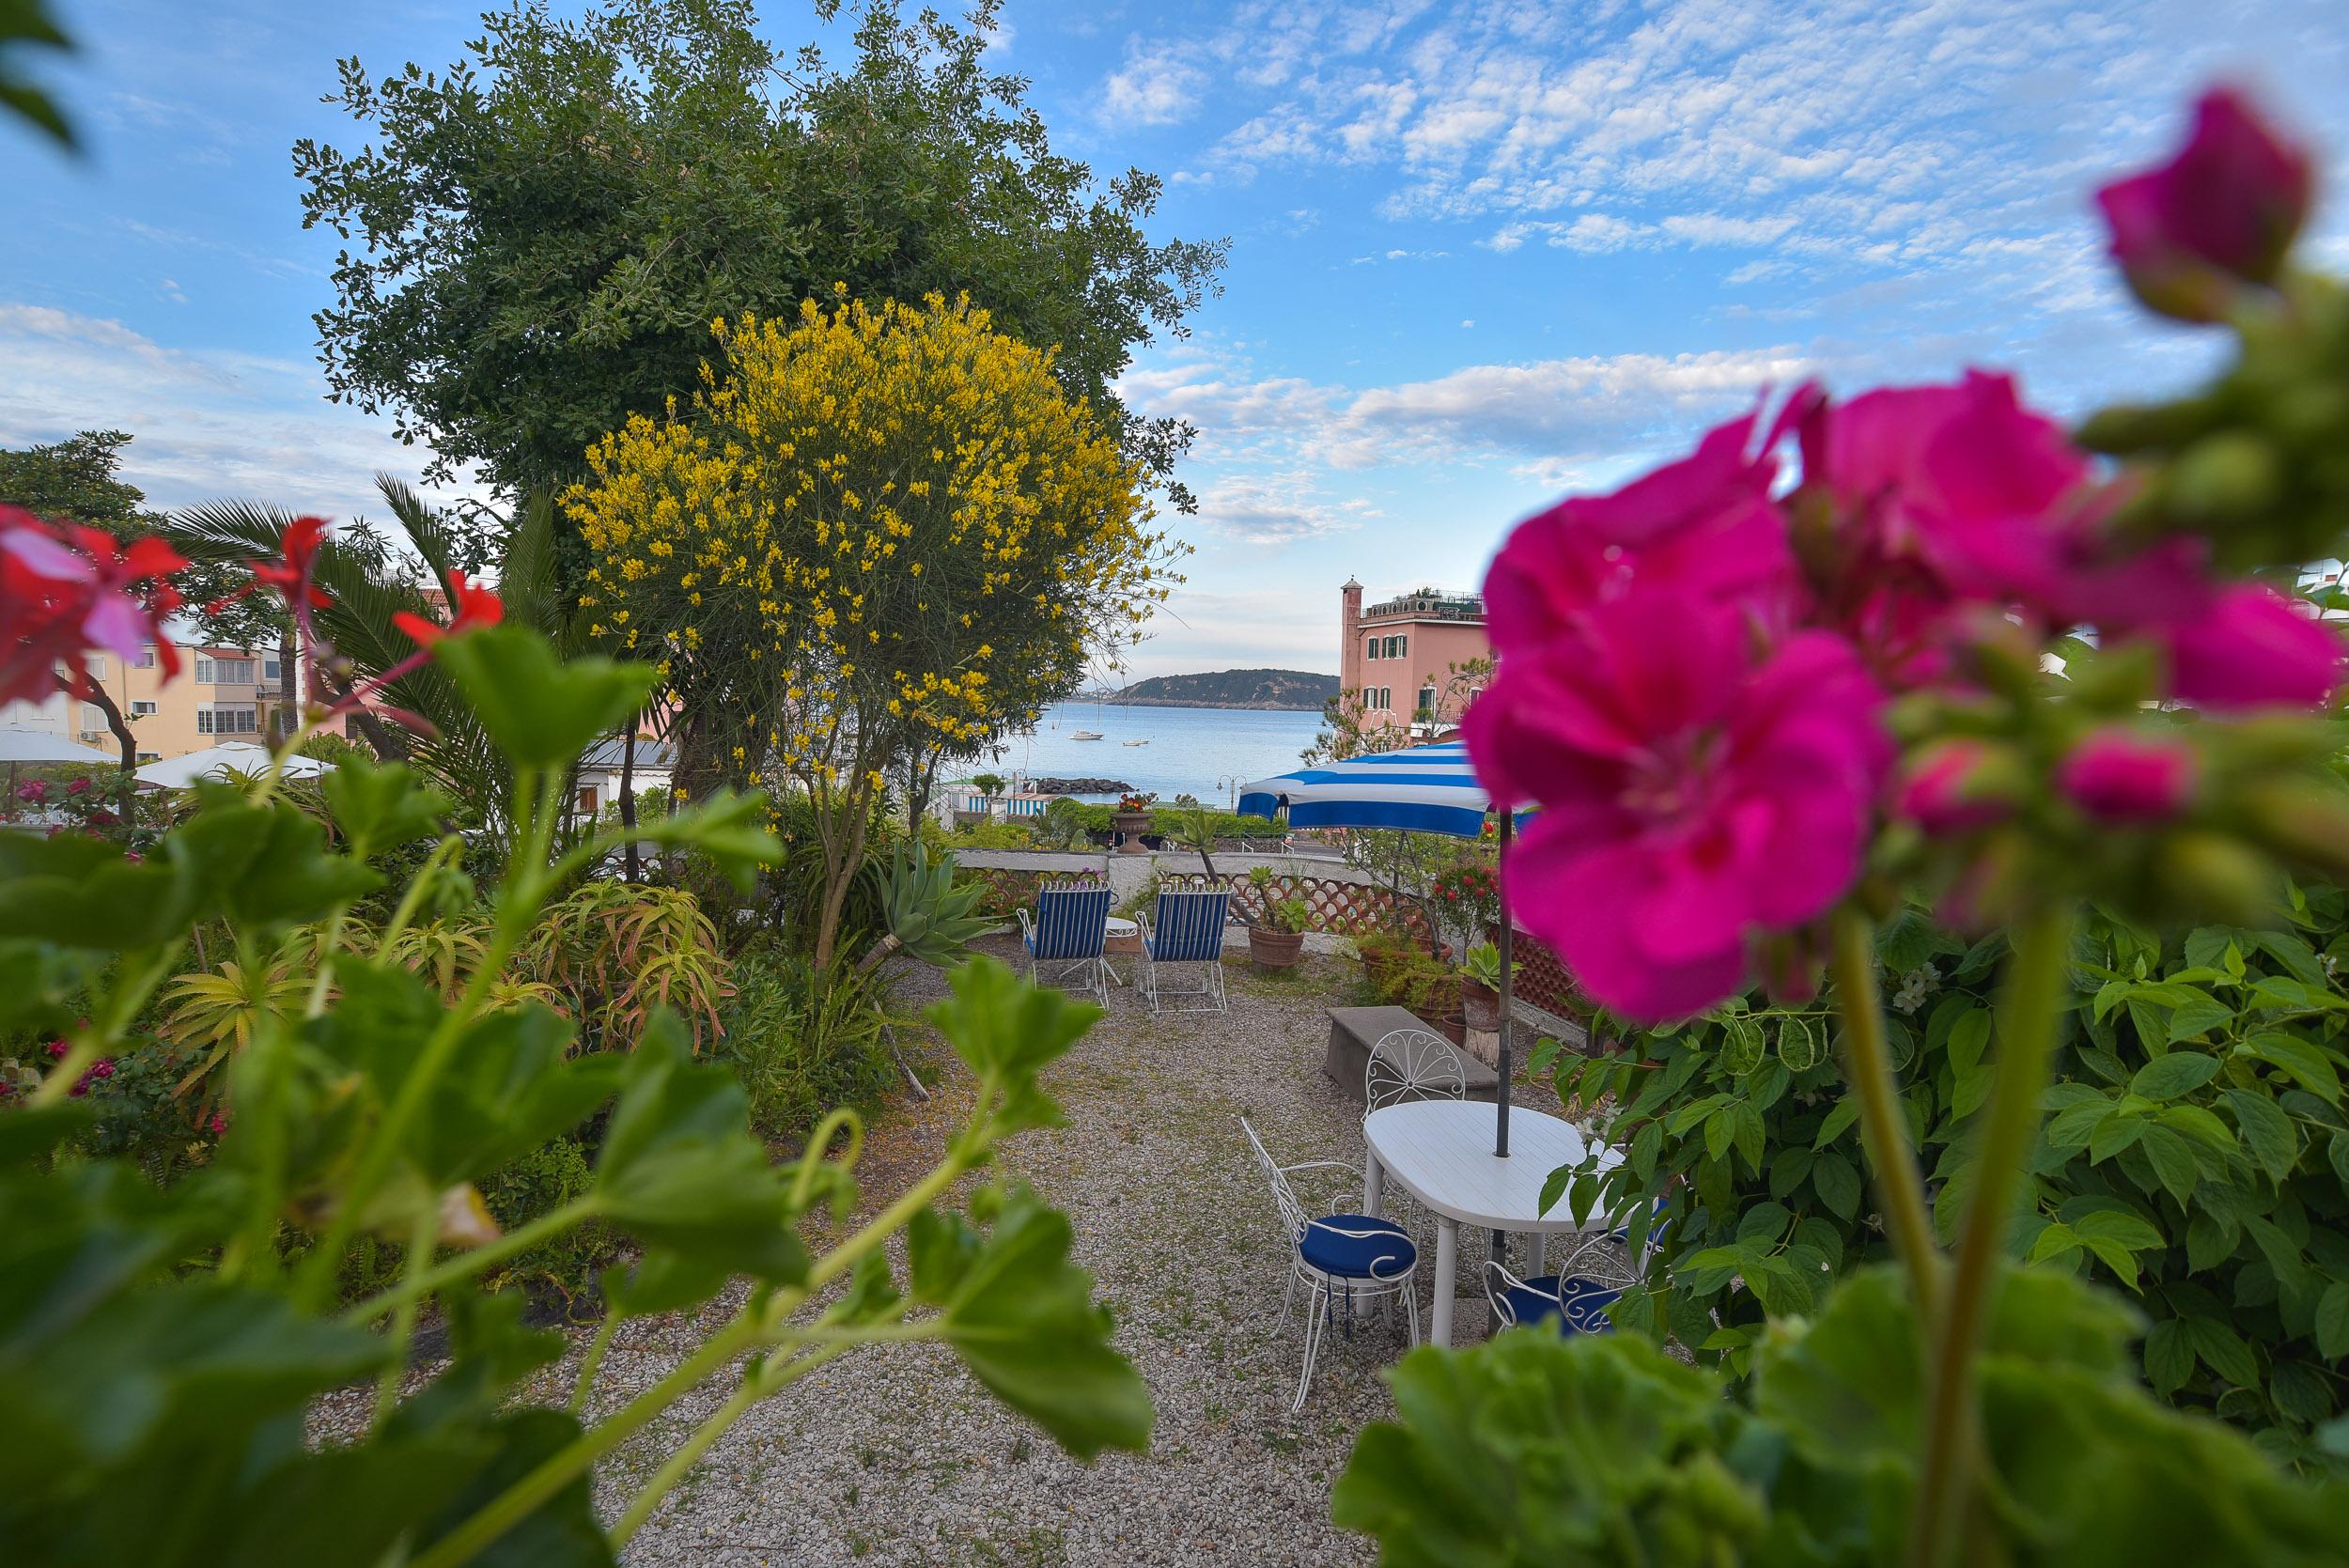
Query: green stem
420,1246
757,1385
518,1502
517,903
1883,1127
471,1261
442,852
593,1362
2031,1007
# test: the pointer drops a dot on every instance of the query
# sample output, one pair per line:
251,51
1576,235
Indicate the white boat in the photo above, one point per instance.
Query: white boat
1136,742
1086,735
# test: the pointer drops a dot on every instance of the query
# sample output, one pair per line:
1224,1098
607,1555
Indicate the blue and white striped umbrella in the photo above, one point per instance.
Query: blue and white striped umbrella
1426,789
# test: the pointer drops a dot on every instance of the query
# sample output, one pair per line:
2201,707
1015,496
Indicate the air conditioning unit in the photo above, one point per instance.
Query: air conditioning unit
93,738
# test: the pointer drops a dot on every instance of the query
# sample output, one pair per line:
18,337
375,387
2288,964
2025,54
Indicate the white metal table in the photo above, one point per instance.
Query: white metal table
1441,1153
1117,928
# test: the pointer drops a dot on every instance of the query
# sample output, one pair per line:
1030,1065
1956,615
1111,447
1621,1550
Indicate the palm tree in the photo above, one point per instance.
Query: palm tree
367,584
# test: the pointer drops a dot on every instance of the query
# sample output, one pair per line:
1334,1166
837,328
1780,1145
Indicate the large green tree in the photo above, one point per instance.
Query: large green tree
540,237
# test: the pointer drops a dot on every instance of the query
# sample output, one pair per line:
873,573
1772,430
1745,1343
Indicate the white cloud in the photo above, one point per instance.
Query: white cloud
1154,86
206,424
1276,510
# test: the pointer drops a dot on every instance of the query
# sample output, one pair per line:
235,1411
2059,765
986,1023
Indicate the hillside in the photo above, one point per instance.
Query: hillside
1280,688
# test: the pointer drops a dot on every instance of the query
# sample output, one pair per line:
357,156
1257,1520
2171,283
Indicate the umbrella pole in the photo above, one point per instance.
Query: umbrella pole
1500,1133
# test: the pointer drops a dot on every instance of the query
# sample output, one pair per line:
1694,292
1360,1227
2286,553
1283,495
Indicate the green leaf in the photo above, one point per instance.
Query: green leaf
2223,1350
1801,1045
1022,1318
2119,1227
2332,1321
1833,1178
79,891
2169,1358
2198,1018
1741,1047
1844,1112
264,866
2307,1065
379,806
2173,1162
2166,1078
729,827
2266,1131
541,711
1006,1030
2117,1132
1969,1035
561,1533
680,1168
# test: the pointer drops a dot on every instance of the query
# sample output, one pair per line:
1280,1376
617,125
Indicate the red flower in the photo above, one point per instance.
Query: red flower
66,590
291,573
475,607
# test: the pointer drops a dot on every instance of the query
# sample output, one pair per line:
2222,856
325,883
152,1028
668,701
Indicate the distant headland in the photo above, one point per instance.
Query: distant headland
1299,691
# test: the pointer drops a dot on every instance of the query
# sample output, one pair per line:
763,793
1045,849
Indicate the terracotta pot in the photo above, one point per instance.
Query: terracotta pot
1122,945
1481,1003
1454,1028
1133,824
1274,950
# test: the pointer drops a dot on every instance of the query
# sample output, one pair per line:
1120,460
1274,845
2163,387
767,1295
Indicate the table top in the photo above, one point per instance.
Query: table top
1118,928
1441,1153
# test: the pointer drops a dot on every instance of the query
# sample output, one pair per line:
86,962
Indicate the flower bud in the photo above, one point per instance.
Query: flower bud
2222,213
2126,778
1956,786
2232,476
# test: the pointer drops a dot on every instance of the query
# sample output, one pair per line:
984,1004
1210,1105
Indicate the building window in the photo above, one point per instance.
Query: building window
224,672
1403,646
146,656
226,721
1373,648
586,800
93,717
142,710
269,669
1427,700
96,665
151,756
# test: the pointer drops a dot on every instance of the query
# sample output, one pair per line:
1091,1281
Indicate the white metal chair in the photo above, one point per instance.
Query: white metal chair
1580,1293
1186,929
1412,1064
1069,932
1354,1256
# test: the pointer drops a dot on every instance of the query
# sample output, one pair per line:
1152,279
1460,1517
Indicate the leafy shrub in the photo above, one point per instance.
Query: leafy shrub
2196,1154
805,1041
616,951
538,1184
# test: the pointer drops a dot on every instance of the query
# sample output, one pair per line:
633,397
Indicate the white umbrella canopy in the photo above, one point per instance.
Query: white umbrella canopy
21,744
218,762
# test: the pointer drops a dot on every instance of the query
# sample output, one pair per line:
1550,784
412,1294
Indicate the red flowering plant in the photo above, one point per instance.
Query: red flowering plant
188,1329
1921,643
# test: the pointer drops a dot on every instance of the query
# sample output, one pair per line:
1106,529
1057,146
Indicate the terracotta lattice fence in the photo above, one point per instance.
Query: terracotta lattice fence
1345,909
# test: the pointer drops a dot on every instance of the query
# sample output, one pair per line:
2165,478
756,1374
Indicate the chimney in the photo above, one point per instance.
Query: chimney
1349,638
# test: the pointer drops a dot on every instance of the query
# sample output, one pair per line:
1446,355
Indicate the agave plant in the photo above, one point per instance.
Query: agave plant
215,1011
928,916
614,951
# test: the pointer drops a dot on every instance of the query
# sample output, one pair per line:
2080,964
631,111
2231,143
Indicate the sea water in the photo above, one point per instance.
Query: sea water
1191,747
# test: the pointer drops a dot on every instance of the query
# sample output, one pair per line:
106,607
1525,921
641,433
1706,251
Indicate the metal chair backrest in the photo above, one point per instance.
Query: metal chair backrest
1188,928
1412,1064
1284,1195
1072,920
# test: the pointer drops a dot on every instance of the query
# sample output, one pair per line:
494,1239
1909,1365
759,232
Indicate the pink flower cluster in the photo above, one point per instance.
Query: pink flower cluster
66,590
1693,670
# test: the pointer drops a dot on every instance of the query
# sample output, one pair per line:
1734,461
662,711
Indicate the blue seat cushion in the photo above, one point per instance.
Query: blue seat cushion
1380,1255
1533,1300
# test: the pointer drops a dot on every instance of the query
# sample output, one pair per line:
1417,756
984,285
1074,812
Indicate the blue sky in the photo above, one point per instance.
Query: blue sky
1481,254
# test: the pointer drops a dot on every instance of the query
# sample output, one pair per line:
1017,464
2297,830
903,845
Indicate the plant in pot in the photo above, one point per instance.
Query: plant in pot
1275,941
1132,819
1480,988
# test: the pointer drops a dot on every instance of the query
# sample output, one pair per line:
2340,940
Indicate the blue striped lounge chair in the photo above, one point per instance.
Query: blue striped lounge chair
1188,928
1066,936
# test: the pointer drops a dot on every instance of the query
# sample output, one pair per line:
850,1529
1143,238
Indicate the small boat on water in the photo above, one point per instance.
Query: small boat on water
1086,735
1136,742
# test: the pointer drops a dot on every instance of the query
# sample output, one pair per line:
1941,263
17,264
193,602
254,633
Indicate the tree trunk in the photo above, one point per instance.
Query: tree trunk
94,693
838,873
389,743
631,866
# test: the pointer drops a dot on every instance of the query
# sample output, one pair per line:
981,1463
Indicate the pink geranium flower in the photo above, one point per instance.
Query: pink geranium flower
1952,789
2221,214
2122,777
1704,524
2250,647
1696,793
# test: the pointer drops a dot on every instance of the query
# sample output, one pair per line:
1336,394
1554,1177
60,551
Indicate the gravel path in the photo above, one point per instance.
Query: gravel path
894,1454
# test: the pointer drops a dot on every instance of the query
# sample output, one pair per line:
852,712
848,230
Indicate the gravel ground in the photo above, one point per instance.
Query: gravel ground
894,1454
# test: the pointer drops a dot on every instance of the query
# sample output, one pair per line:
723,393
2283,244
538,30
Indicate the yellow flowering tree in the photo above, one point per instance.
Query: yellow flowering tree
879,532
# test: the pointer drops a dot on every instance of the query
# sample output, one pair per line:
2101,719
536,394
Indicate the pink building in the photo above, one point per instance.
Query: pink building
1403,654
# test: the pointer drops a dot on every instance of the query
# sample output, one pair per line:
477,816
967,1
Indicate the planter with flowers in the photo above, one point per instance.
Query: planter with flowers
1133,820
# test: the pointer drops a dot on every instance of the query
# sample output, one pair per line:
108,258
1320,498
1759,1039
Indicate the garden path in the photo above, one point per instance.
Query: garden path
896,1455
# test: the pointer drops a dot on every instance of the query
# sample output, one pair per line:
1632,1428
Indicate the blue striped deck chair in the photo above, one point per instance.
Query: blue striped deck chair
1067,933
1187,929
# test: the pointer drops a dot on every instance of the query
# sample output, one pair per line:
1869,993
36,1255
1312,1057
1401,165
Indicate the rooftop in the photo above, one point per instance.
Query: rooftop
1433,603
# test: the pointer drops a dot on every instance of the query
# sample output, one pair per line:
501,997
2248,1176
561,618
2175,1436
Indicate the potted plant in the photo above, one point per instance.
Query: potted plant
1275,941
1132,818
1480,986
